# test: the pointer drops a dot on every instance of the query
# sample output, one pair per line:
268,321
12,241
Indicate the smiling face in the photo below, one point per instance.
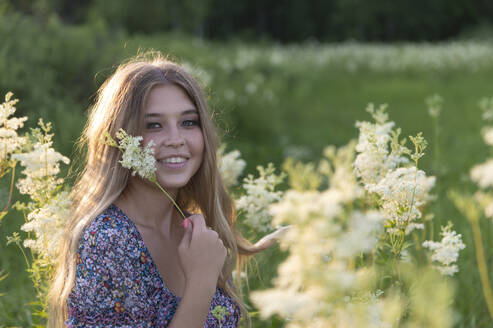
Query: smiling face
172,121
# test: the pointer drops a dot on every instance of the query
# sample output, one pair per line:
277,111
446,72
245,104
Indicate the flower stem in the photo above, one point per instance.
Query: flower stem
171,198
10,192
483,271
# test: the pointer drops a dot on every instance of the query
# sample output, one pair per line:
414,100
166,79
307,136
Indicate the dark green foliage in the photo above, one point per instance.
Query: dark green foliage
284,20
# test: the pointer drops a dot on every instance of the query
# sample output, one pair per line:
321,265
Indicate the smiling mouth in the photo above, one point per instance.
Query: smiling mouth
173,162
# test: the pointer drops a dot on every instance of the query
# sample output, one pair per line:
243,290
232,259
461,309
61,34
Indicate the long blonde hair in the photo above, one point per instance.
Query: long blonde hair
119,104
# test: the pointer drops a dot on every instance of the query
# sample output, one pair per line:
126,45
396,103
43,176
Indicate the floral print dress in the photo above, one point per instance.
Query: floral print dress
117,283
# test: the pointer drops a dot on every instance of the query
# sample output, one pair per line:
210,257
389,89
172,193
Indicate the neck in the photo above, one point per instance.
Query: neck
148,206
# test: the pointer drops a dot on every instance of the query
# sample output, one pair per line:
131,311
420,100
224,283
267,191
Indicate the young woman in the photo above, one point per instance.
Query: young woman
128,258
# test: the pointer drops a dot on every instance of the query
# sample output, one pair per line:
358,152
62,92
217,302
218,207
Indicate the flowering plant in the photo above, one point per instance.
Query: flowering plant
47,210
10,141
473,207
260,193
351,215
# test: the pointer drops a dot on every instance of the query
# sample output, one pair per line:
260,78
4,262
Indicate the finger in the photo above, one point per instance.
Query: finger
198,222
214,232
198,225
187,236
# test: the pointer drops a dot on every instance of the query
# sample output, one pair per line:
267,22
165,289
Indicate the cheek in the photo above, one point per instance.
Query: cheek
197,143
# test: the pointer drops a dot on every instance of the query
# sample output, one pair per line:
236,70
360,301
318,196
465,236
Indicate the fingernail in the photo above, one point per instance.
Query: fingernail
186,223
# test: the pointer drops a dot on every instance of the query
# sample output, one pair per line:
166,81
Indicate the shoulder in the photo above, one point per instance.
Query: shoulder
110,239
110,228
111,285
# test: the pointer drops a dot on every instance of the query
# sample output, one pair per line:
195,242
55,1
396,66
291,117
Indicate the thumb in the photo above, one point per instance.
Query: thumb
187,236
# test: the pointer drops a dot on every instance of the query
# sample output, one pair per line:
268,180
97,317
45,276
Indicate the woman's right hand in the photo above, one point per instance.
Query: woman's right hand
201,252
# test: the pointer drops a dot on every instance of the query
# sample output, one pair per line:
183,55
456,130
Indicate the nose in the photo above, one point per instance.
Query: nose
174,139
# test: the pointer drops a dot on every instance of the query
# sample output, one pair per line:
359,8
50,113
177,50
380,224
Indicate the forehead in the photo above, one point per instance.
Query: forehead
168,99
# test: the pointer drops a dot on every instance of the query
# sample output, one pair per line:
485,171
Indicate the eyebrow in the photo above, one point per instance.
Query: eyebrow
186,112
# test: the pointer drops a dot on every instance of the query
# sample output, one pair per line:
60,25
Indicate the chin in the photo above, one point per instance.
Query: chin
167,184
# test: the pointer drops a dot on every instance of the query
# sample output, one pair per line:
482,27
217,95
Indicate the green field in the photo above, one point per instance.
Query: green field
272,102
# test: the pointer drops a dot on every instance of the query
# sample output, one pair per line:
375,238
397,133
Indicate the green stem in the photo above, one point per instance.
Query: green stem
413,195
11,190
483,271
24,254
171,198
437,148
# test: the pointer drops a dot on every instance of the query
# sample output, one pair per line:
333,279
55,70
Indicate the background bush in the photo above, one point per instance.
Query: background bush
285,21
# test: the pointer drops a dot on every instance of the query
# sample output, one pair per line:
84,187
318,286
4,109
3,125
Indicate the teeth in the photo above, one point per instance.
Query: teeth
174,160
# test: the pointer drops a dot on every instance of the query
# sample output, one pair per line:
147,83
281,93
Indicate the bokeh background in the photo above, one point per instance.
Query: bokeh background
284,78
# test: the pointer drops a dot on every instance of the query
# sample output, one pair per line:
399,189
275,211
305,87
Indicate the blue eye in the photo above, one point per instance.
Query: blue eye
190,123
151,124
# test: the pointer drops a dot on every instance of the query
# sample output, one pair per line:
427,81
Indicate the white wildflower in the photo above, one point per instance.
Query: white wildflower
446,252
482,174
139,160
485,200
286,303
260,194
448,270
488,135
237,276
49,209
375,156
434,104
338,167
301,208
41,166
230,165
402,192
486,105
47,223
362,234
9,140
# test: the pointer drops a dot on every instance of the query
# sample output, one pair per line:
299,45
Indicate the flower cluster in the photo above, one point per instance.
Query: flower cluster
41,167
434,103
260,194
481,201
446,252
383,167
315,284
400,188
375,156
482,174
337,167
47,223
134,157
10,141
49,207
230,166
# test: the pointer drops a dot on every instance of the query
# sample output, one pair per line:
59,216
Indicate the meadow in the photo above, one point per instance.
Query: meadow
273,102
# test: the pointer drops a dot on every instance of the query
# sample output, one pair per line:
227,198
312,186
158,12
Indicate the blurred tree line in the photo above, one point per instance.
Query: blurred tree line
281,20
